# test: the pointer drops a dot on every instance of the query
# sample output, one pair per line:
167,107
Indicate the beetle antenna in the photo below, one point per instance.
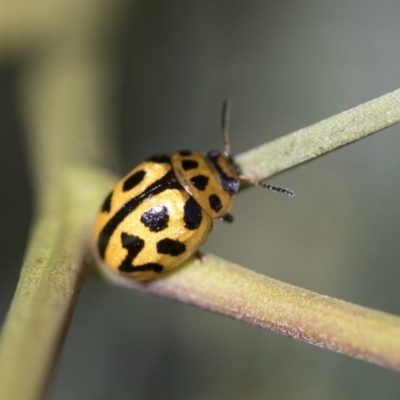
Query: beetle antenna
274,188
278,189
225,119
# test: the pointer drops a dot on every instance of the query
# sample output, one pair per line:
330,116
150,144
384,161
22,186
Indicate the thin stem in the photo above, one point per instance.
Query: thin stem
233,291
49,285
64,99
320,138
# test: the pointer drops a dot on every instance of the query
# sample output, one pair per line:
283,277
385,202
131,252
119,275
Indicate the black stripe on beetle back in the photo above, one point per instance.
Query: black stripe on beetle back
155,267
106,207
192,214
159,159
133,180
200,182
189,164
230,185
168,181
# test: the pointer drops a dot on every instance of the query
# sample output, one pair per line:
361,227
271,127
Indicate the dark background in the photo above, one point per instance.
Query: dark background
286,65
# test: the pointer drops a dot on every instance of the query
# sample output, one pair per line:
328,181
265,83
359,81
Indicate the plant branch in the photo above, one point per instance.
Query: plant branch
233,291
49,285
320,138
64,97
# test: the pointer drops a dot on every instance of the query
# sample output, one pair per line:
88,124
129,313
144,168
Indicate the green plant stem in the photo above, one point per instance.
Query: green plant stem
233,291
320,138
66,124
49,285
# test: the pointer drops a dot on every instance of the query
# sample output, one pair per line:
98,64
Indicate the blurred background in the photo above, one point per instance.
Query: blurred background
286,65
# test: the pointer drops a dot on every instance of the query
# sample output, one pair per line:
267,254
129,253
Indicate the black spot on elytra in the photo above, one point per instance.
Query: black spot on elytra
159,158
192,214
200,181
215,202
133,180
156,219
106,207
171,247
155,267
185,153
134,245
189,164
